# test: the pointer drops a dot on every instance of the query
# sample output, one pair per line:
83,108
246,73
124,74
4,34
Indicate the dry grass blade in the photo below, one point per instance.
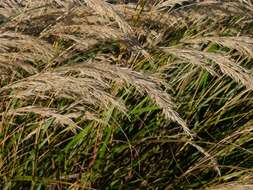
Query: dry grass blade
208,156
143,83
231,186
44,112
15,62
18,5
32,19
85,35
90,82
106,10
12,41
168,3
228,67
22,53
52,85
241,43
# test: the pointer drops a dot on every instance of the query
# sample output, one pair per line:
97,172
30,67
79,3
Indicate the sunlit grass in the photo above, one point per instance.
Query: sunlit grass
147,95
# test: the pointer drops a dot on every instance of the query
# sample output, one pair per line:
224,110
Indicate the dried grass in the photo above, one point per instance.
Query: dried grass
100,94
228,67
232,186
243,44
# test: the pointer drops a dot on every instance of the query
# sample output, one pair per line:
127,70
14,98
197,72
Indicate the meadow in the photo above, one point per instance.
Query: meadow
139,94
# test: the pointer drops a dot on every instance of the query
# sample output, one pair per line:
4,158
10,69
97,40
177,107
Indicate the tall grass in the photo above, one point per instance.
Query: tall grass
112,95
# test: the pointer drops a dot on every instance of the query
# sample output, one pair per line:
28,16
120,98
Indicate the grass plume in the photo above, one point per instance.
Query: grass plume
130,94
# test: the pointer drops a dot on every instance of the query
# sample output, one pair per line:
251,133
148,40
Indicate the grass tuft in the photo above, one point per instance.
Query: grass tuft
126,94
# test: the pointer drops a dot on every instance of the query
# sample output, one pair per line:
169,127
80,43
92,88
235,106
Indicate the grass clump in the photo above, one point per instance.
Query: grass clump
114,95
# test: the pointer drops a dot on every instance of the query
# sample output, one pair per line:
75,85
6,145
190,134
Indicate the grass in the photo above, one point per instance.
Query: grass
109,95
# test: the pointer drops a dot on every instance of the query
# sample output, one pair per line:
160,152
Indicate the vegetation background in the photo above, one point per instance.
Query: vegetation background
126,94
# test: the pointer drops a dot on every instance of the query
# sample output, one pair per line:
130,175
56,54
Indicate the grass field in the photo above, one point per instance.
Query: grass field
126,95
